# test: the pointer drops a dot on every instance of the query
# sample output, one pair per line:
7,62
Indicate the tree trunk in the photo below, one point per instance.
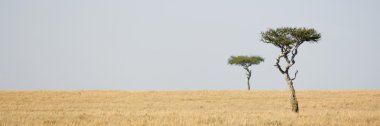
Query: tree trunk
293,98
249,86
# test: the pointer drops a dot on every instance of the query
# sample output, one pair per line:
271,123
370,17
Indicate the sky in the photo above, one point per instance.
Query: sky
183,45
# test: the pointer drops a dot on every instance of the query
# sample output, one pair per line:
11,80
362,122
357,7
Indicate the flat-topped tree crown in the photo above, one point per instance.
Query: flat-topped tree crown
245,60
290,37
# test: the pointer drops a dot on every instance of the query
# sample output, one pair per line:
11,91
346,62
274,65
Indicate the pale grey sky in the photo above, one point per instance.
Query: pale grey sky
182,45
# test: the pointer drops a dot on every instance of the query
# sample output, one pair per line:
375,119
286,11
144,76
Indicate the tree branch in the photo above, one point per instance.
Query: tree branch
278,63
291,61
249,72
295,51
287,58
295,76
285,51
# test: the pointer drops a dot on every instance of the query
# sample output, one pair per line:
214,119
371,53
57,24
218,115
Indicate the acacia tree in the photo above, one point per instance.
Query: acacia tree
289,40
246,62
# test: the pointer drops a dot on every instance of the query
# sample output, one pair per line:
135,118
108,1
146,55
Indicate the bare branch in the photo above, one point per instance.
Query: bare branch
246,68
285,51
287,58
295,76
295,51
278,63
249,72
290,64
287,67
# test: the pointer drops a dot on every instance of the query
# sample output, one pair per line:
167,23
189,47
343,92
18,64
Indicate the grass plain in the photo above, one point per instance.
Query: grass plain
189,108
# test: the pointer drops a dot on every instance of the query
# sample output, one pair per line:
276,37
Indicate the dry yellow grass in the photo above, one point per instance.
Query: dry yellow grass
193,108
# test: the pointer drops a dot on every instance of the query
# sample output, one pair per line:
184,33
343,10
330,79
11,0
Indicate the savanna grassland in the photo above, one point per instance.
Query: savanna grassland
192,108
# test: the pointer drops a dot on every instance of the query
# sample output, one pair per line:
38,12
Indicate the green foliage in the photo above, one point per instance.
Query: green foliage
288,36
245,60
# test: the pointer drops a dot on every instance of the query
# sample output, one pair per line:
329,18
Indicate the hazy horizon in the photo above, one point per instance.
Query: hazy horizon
182,45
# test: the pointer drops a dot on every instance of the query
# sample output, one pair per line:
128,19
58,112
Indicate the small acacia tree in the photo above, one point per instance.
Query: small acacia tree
246,62
289,40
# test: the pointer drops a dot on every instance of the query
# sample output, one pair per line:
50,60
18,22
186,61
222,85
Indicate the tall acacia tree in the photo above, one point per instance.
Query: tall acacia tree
246,62
289,39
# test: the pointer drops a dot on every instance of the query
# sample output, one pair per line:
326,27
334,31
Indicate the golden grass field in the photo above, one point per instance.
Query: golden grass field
191,108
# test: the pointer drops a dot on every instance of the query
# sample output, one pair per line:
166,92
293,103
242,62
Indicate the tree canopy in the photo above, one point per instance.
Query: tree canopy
245,60
288,39
289,36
